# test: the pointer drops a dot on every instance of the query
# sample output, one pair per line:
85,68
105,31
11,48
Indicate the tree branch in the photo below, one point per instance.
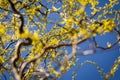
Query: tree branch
21,16
12,42
16,57
104,48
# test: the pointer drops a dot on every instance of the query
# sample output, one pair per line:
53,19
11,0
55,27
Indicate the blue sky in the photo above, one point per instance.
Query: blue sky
105,59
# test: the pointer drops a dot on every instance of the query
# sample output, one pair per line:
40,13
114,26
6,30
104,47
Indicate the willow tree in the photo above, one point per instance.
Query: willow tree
35,34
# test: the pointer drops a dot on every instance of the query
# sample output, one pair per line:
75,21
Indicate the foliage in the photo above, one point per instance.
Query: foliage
35,34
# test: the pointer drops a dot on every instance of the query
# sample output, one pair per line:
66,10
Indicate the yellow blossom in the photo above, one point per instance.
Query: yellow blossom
53,55
62,68
23,35
108,25
53,41
36,36
83,2
113,70
93,3
82,32
80,11
54,72
2,29
108,44
71,3
31,70
55,9
2,60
